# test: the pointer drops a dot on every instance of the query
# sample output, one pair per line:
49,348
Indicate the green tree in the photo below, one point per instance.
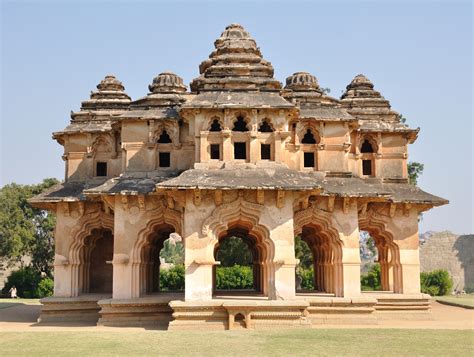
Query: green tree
173,252
415,169
234,251
24,230
303,253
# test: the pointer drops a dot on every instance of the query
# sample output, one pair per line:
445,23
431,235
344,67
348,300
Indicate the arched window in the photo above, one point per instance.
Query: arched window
240,125
265,127
215,126
164,138
366,147
308,138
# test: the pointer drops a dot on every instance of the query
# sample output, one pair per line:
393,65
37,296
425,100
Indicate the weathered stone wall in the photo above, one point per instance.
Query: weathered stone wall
446,250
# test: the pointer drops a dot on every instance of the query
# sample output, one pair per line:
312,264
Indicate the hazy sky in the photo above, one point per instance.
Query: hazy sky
418,55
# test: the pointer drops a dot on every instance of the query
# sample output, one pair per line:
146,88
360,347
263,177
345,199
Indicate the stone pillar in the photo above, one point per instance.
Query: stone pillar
227,147
278,217
254,154
199,257
204,152
348,229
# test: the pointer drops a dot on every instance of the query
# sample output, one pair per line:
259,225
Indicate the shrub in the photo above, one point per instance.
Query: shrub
172,278
436,283
25,280
45,288
307,277
234,277
371,280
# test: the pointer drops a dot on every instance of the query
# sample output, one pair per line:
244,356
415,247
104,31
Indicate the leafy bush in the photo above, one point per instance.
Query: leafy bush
234,277
172,278
45,288
371,280
29,284
307,277
25,280
436,283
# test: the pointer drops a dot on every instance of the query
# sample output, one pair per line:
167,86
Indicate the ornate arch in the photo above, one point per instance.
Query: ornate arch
327,253
268,121
243,214
302,130
370,138
206,124
83,229
164,216
171,128
101,141
389,252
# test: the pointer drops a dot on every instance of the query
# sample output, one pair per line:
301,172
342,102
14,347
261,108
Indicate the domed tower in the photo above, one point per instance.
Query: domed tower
235,64
91,144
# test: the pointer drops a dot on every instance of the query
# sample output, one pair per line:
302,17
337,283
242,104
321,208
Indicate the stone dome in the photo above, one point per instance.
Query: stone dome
302,81
360,82
235,64
167,82
110,94
110,83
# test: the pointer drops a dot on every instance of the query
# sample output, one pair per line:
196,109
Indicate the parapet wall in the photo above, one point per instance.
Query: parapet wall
455,253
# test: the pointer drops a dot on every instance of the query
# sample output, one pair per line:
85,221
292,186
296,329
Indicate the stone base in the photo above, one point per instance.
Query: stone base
405,307
150,311
235,314
80,309
344,311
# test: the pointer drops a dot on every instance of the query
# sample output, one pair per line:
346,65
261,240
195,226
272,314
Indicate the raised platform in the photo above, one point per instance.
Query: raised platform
170,311
80,309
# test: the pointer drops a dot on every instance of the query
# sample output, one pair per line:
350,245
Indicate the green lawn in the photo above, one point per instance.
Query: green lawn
322,342
466,300
4,303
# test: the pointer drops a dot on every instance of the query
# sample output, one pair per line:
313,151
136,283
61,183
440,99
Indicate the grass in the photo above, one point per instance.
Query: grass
310,342
4,303
462,300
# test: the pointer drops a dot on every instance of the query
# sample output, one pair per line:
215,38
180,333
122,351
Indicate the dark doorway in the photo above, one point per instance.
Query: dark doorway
215,152
309,159
165,159
101,169
367,167
265,151
240,151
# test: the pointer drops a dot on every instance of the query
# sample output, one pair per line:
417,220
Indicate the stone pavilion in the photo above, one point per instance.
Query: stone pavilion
241,155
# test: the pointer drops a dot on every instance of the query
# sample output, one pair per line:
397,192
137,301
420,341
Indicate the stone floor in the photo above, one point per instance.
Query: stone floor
22,317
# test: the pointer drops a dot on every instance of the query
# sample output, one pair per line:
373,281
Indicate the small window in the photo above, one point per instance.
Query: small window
215,152
101,169
164,138
215,126
165,159
240,151
367,167
240,125
366,147
265,152
308,138
265,127
309,159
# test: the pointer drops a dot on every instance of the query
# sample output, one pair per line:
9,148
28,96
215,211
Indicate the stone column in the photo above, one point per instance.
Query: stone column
254,151
204,153
227,147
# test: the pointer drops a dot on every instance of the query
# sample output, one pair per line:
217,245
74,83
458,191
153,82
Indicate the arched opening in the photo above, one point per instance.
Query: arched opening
265,127
326,253
215,125
243,269
96,256
380,268
305,278
366,147
368,158
164,138
162,262
308,137
240,125
369,267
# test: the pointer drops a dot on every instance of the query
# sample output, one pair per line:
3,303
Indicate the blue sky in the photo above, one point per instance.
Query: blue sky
418,54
